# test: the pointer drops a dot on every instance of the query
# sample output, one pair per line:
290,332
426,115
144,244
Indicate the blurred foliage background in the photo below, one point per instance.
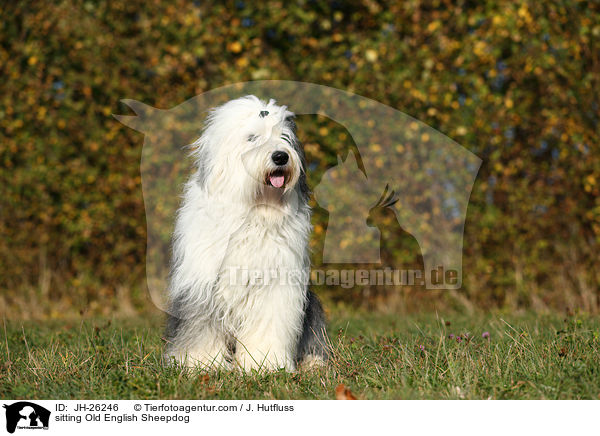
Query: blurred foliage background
517,83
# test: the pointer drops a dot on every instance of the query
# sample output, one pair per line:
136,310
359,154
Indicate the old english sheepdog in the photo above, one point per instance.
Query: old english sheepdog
238,286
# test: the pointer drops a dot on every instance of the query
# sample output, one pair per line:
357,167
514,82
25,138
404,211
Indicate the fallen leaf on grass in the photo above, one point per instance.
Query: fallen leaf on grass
204,378
343,393
208,388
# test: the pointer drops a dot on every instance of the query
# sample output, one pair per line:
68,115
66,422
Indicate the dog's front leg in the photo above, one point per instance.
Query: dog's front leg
261,351
270,335
198,344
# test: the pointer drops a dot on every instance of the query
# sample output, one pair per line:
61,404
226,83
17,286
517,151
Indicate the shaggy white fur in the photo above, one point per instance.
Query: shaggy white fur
244,209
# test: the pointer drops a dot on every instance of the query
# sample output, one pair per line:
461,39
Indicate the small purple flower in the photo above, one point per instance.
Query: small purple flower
451,336
485,335
458,339
422,347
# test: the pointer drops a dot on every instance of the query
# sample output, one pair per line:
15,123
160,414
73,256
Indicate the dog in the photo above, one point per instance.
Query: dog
238,285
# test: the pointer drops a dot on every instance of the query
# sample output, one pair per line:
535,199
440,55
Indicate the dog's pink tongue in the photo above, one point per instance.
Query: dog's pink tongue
277,181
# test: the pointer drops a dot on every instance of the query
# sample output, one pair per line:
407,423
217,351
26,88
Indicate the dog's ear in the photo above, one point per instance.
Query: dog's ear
145,118
290,122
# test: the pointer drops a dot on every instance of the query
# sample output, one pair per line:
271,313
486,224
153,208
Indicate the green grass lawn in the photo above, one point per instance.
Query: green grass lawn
375,356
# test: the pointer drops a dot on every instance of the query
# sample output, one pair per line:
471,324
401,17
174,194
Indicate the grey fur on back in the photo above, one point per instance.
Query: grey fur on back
313,341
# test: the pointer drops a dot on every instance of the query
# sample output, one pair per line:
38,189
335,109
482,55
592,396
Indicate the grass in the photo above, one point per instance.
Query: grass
376,357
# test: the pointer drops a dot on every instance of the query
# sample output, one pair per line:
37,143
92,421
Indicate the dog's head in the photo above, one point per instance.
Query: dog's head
249,153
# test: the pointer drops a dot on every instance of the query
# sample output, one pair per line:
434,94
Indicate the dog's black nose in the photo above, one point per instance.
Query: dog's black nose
280,157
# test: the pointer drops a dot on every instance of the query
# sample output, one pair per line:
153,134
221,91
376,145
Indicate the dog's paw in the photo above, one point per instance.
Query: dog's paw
311,361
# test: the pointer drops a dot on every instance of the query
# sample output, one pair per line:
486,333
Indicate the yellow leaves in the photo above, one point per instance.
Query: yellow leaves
260,73
524,15
480,48
242,62
312,42
190,19
563,154
433,26
460,63
235,47
110,135
589,183
326,24
41,113
448,97
461,130
371,55
311,148
343,393
418,94
591,180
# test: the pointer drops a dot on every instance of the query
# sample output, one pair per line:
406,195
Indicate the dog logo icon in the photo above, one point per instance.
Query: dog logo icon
26,415
348,239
